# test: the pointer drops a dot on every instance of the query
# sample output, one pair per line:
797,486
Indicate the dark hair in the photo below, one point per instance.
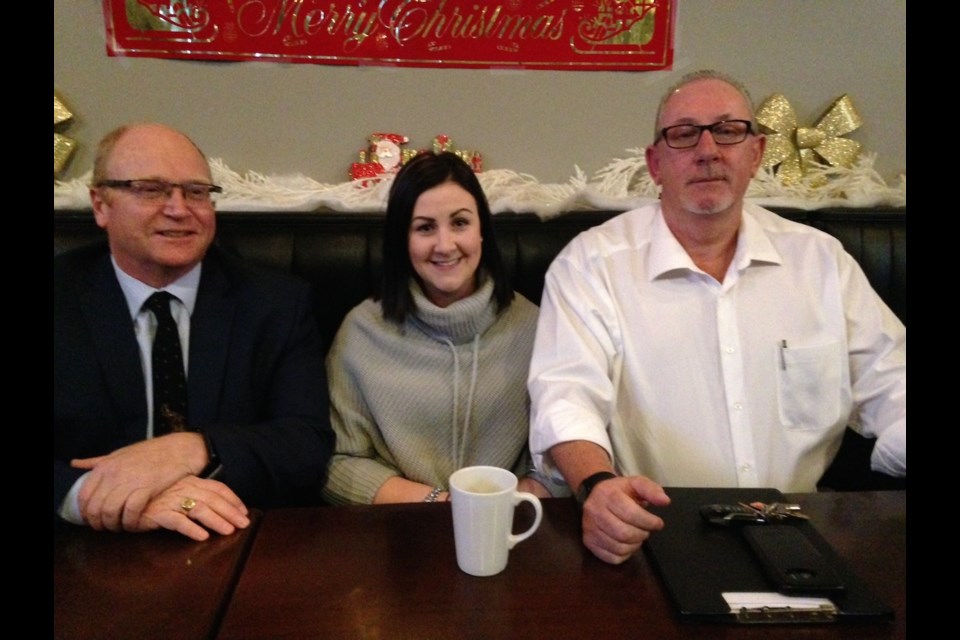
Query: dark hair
420,174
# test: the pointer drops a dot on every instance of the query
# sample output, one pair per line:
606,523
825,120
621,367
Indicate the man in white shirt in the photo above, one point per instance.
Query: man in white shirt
704,342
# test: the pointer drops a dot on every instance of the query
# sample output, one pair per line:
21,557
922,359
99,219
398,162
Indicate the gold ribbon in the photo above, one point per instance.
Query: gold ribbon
796,149
62,145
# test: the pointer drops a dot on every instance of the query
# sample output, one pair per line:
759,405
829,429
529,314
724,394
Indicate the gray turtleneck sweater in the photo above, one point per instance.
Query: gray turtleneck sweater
445,390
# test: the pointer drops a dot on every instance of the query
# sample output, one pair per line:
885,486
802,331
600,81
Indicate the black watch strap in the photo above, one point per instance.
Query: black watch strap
590,482
214,467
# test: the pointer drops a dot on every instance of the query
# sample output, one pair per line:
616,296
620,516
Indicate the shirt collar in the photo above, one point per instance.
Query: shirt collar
136,292
667,254
753,244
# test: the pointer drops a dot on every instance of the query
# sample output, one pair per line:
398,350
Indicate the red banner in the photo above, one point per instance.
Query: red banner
603,35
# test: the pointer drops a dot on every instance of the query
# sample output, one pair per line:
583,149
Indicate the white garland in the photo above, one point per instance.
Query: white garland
621,185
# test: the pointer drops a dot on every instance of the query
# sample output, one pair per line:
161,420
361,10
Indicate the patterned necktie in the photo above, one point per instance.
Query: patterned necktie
169,380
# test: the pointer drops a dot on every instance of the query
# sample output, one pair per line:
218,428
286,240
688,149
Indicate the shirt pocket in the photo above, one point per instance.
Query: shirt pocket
808,386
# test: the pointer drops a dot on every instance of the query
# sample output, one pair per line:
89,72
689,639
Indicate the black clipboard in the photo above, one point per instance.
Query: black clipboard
698,561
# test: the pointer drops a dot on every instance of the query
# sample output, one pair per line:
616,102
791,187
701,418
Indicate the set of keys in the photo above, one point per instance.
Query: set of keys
752,513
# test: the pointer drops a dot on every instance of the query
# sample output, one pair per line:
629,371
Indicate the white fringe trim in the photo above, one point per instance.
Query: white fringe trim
621,185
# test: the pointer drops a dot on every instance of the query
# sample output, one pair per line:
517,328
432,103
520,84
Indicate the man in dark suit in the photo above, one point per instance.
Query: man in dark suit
256,430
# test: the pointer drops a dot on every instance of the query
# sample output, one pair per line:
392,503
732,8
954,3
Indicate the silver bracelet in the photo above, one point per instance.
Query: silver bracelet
433,495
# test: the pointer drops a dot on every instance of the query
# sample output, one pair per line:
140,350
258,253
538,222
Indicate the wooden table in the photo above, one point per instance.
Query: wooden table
390,572
148,585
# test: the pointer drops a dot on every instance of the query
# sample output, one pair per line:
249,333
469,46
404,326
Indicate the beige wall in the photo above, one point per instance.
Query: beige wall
279,119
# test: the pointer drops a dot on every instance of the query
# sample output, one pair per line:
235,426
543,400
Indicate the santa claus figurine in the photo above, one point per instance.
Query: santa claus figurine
385,149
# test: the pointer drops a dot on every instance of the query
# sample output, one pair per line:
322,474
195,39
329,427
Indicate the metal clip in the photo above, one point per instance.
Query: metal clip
752,513
778,510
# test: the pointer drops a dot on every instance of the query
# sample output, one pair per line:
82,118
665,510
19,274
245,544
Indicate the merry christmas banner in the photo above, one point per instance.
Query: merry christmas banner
582,35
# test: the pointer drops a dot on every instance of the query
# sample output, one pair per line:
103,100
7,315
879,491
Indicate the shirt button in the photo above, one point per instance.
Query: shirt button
744,468
737,406
729,350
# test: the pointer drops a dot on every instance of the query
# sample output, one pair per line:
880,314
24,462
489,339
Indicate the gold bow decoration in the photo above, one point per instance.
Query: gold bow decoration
62,145
796,149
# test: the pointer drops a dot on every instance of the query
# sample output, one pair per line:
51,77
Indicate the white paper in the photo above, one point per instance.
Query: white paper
763,600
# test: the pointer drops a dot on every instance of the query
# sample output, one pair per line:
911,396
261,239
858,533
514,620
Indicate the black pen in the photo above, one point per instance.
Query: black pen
783,359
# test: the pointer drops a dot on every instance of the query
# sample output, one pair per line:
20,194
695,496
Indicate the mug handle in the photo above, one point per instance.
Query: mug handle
522,496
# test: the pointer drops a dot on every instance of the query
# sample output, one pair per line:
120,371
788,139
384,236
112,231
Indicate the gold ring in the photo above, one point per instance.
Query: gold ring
187,504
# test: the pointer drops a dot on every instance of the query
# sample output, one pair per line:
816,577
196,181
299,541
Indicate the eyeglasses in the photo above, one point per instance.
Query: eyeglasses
684,136
160,191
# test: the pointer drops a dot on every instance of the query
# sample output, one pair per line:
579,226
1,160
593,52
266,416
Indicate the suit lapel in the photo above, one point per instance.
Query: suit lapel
210,329
105,311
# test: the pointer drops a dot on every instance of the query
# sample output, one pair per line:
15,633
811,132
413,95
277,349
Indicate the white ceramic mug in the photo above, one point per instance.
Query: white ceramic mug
483,500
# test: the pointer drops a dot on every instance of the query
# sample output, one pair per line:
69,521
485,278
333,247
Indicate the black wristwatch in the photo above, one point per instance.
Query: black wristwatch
590,482
214,467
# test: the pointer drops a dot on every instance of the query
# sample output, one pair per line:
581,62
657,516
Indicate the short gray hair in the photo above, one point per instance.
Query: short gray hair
703,74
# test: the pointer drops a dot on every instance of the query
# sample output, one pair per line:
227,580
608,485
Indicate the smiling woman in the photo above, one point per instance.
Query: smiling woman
430,375
437,207
445,243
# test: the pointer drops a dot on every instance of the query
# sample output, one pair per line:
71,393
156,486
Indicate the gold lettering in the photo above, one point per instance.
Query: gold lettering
354,26
406,20
254,18
248,22
520,24
493,22
313,21
364,25
557,32
541,24
333,20
291,18
437,22
466,29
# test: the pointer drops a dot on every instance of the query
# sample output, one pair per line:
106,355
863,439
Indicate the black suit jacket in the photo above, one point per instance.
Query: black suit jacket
256,381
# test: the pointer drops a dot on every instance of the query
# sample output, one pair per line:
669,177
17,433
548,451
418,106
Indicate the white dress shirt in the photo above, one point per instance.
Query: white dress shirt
692,382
